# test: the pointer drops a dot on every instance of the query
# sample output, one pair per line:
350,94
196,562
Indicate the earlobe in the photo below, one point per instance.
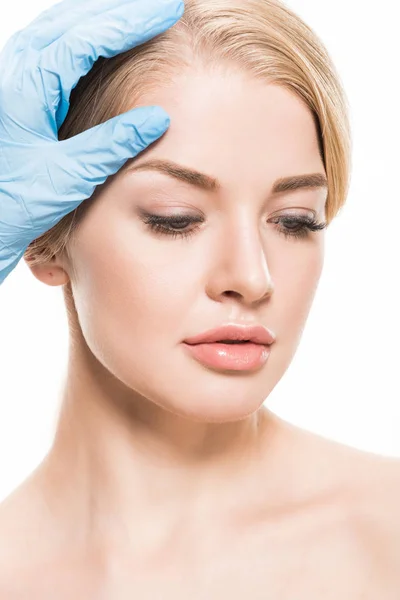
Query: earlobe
49,272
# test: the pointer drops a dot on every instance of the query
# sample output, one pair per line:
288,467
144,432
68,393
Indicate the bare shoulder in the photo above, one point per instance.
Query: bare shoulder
368,487
366,494
20,527
31,564
377,506
10,545
13,528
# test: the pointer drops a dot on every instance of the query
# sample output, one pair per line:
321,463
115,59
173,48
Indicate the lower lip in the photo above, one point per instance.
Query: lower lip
232,357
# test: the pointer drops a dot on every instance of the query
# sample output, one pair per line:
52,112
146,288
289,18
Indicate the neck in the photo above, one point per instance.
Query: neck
136,471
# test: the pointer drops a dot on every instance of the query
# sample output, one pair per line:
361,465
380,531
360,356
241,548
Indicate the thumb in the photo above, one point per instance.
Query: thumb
101,151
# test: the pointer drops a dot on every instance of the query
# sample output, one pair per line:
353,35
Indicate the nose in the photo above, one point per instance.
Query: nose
240,267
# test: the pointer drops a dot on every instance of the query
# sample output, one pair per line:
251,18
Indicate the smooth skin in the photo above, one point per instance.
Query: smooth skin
167,479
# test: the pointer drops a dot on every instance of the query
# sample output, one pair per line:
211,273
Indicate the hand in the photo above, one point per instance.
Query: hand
43,179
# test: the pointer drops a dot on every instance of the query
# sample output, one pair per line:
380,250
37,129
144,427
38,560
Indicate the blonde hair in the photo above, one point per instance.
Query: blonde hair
263,38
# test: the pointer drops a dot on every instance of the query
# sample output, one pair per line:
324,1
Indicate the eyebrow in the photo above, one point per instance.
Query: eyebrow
205,182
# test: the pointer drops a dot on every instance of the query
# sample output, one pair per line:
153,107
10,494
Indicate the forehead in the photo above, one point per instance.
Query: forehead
235,126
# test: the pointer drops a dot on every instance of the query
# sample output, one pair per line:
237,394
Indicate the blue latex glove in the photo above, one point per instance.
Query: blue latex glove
43,179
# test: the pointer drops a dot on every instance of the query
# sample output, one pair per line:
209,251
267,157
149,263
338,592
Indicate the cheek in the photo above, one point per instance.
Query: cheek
129,297
295,287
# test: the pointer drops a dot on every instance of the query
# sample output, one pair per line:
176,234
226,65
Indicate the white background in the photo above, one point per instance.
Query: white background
344,380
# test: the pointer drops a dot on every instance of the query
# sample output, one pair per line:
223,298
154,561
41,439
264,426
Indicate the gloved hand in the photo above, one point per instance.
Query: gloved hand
43,179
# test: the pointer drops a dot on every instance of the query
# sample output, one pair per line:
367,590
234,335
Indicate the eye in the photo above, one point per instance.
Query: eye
290,226
172,226
298,227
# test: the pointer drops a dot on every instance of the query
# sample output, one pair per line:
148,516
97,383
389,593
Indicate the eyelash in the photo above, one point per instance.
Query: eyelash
160,225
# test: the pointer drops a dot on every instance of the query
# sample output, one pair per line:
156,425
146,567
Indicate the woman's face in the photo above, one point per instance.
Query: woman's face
140,293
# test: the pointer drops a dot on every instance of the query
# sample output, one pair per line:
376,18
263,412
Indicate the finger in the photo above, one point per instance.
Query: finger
56,21
90,157
64,16
57,11
72,56
8,261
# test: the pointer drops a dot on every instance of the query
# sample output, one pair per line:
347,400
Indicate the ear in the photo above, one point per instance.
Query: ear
51,272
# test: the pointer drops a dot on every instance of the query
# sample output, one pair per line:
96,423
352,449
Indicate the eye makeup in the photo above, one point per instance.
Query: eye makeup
181,226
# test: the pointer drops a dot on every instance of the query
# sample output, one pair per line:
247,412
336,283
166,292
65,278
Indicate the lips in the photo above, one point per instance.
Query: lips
245,356
232,342
256,334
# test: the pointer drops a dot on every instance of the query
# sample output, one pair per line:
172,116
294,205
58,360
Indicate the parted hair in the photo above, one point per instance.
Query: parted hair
262,38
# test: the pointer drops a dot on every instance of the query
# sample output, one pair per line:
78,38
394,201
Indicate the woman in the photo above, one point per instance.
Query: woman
167,476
